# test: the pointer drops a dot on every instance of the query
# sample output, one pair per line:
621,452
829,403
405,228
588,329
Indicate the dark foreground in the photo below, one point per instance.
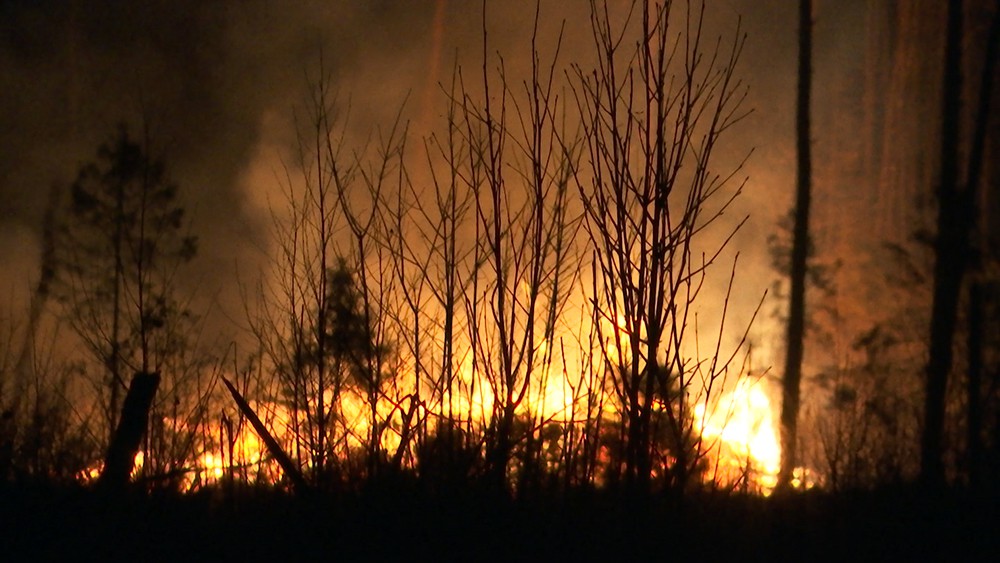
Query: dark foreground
40,523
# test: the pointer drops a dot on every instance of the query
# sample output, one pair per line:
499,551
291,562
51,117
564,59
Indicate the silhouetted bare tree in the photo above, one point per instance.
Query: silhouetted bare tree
321,321
653,112
521,162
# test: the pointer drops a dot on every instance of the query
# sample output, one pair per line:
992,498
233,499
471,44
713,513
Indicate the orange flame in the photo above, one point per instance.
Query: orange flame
741,432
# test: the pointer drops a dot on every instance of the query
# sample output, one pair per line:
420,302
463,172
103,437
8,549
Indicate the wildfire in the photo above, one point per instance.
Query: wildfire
738,432
92,473
741,433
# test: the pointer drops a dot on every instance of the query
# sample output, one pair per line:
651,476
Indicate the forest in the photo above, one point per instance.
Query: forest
532,306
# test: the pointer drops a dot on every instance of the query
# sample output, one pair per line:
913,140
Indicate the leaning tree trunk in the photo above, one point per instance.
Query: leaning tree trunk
800,254
277,453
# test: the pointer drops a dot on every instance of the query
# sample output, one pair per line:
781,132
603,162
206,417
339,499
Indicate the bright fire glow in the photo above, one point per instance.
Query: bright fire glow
737,427
741,433
93,472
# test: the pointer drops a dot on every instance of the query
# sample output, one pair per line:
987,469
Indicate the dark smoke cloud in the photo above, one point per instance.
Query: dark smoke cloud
199,75
76,69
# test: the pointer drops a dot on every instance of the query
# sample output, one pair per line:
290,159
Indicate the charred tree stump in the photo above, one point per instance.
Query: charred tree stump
120,459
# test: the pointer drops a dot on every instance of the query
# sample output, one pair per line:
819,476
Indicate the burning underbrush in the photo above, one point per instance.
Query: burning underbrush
736,444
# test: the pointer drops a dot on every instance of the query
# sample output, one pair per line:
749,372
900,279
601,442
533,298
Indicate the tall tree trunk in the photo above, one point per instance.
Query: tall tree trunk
977,300
800,254
951,249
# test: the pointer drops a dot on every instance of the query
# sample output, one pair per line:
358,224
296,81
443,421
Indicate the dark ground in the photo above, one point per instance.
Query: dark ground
45,523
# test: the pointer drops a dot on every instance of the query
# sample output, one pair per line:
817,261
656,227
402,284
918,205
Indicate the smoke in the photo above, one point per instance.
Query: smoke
217,82
205,79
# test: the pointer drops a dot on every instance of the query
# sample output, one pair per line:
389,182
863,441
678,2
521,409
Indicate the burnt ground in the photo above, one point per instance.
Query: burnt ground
42,522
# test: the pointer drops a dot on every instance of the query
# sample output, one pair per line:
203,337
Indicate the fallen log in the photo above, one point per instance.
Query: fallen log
290,469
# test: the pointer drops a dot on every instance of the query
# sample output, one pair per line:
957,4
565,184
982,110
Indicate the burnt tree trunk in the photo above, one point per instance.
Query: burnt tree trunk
120,459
